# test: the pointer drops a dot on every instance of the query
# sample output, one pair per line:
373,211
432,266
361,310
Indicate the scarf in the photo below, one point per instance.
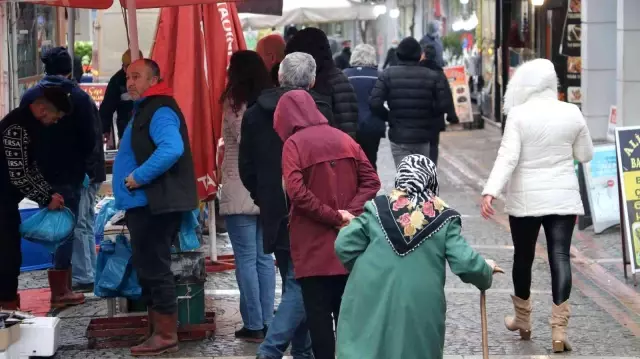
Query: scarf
412,213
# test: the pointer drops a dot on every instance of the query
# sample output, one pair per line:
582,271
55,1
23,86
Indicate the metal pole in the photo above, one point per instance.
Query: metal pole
13,70
483,321
71,35
212,232
497,87
133,29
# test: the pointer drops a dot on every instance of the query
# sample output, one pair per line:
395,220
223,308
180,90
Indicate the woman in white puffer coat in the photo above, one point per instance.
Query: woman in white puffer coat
542,138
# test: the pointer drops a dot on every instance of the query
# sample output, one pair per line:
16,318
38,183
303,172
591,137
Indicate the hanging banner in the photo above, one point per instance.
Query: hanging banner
628,158
459,82
601,177
571,47
95,90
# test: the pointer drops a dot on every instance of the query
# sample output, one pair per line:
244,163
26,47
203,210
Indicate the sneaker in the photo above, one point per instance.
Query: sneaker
83,288
253,336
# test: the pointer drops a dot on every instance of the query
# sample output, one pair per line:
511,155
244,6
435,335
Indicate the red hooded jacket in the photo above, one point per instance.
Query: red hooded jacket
324,171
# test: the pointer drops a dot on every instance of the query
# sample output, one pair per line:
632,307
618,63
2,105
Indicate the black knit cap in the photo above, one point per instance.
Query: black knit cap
409,50
57,61
58,97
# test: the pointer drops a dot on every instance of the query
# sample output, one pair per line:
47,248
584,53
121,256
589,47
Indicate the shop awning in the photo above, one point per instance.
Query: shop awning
310,11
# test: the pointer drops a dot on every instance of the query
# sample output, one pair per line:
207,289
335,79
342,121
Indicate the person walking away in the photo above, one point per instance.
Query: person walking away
21,178
392,57
343,59
429,61
330,81
65,154
271,49
117,100
260,164
432,38
328,179
154,181
396,253
417,98
542,138
255,270
363,74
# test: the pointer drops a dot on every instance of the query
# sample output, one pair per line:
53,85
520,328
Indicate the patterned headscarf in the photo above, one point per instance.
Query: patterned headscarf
417,177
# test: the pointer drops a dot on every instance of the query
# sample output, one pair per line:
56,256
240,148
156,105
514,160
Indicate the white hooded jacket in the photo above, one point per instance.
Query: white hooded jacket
541,139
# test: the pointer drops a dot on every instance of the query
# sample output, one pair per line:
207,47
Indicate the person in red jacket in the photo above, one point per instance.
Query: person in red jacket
328,179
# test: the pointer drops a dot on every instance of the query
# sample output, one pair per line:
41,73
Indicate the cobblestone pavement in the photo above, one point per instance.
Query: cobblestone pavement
605,322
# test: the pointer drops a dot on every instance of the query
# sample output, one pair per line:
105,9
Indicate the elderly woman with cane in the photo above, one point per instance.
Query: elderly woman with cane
396,252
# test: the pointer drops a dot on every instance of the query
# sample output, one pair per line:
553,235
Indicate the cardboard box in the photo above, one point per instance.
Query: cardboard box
9,336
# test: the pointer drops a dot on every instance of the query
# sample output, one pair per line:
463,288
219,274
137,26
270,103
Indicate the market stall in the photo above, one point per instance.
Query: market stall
309,11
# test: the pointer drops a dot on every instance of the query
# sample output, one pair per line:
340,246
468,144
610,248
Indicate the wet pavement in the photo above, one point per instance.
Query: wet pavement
605,322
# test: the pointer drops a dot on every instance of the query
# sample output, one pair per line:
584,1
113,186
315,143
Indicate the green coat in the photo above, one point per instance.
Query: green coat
394,307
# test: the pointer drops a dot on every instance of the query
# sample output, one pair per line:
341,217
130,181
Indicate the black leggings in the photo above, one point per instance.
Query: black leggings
558,231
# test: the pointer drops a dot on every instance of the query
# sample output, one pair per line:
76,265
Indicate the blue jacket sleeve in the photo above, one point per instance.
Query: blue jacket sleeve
165,134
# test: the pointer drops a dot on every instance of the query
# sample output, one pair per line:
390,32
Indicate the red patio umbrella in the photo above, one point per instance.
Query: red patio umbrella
105,4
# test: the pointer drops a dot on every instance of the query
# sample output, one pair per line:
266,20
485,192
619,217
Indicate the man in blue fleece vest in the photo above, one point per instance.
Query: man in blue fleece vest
154,181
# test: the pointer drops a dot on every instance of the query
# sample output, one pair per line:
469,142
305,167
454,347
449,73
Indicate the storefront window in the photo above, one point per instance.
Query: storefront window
36,32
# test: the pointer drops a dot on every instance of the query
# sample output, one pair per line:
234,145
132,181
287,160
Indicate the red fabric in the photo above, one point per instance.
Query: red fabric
150,4
324,171
140,4
160,89
271,49
194,65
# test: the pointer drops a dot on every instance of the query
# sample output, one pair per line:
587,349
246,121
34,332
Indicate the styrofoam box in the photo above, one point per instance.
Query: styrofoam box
40,337
13,352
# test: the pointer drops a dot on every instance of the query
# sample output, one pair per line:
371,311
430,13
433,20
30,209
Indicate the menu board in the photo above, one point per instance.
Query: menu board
571,44
95,90
459,82
601,178
628,158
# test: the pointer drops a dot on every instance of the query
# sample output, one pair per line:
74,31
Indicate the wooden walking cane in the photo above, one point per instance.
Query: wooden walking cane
483,319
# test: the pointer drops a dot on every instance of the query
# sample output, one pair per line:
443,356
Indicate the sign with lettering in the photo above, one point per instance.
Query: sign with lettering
613,123
459,82
601,177
95,90
570,47
628,158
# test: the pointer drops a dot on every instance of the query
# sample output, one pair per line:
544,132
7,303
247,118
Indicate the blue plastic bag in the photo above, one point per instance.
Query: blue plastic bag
188,235
107,249
49,228
107,211
115,276
86,182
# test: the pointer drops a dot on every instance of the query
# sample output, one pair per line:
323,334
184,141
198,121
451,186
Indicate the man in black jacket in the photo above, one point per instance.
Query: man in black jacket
67,153
344,57
417,98
429,61
20,177
117,99
260,165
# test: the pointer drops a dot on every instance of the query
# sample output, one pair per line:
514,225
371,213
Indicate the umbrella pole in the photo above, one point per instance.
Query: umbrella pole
213,249
71,35
483,318
133,29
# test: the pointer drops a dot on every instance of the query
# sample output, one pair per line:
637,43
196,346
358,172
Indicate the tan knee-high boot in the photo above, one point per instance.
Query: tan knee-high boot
559,320
522,319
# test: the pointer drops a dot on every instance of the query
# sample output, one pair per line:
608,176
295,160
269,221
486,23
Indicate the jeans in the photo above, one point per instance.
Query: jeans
322,298
10,253
84,247
255,271
400,151
64,252
289,324
524,233
151,239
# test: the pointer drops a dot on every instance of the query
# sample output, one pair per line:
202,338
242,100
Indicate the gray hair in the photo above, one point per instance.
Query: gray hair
364,55
297,69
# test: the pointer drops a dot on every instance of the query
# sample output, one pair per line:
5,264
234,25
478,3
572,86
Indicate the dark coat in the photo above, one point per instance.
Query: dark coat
363,80
324,170
451,115
391,59
260,165
343,58
72,147
344,103
417,98
116,99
